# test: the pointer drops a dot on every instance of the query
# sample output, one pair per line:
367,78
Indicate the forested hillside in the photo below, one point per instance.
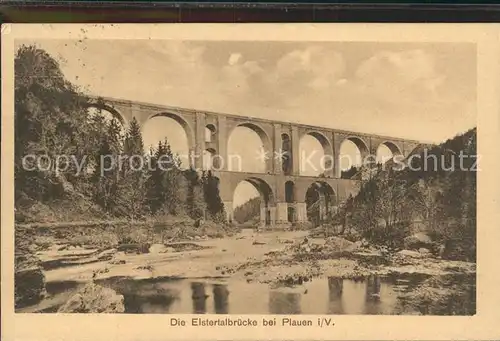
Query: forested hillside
52,123
434,192
248,211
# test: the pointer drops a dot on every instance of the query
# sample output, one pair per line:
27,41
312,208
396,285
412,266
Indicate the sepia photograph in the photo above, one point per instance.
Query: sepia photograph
237,177
190,176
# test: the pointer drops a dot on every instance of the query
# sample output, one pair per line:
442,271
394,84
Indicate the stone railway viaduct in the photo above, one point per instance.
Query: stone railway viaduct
282,188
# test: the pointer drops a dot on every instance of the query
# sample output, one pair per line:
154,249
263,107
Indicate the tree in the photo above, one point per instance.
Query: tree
343,213
313,205
215,206
364,217
394,207
155,191
166,186
106,177
195,203
132,184
176,188
133,144
429,202
349,173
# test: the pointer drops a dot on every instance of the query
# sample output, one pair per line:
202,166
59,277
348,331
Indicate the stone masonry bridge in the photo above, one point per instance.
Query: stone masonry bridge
281,187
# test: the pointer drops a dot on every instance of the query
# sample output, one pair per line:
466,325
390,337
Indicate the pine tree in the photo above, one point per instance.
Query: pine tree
215,206
132,184
154,184
106,176
133,144
166,185
195,203
174,184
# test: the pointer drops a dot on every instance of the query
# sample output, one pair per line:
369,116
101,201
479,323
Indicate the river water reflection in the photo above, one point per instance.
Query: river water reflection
373,295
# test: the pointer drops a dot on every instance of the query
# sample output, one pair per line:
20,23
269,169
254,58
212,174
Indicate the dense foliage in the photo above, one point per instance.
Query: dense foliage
102,161
349,173
433,193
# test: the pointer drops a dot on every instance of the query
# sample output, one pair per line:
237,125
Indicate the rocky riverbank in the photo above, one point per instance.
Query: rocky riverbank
66,246
272,258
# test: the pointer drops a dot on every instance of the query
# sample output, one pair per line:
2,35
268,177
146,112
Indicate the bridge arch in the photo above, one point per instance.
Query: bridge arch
349,162
393,147
321,200
263,188
328,152
363,147
386,151
267,147
104,107
188,130
267,198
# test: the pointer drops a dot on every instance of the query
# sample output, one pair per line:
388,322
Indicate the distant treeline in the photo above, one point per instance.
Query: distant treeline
248,211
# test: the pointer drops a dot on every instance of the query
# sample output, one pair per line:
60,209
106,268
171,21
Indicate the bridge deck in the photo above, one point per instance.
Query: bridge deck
161,107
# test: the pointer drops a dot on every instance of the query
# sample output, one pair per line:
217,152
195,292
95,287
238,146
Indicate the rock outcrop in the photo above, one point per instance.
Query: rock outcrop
94,298
29,280
29,286
341,244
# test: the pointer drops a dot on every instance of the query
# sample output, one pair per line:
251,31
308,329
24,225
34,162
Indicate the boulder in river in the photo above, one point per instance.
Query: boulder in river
425,252
29,286
94,298
417,241
157,248
341,244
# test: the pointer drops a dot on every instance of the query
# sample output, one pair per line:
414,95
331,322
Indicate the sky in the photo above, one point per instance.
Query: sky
422,91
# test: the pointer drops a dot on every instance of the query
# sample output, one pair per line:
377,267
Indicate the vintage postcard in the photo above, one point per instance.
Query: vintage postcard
327,181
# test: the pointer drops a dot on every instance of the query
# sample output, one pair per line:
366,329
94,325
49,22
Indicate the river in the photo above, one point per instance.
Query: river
195,282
